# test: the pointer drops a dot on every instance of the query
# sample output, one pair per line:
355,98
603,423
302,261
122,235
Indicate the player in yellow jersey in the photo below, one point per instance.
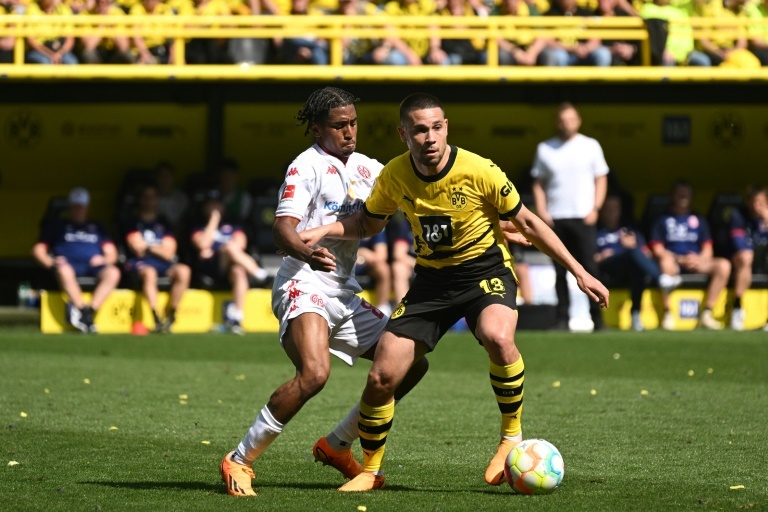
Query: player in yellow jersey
456,203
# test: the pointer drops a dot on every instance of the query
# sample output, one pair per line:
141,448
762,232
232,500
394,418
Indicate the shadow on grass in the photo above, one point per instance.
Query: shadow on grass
219,488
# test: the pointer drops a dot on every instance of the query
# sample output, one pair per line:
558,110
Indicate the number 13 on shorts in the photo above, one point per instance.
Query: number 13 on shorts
493,286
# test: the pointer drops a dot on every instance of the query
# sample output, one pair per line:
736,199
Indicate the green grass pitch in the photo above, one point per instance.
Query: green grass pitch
123,439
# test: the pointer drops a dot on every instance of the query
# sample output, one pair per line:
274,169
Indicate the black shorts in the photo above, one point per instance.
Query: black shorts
430,308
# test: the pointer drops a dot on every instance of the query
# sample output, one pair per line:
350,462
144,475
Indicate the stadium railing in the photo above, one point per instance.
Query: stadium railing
335,28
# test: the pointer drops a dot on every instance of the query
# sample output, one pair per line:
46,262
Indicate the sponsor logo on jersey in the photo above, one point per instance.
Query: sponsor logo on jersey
331,170
293,172
317,300
334,206
506,189
288,192
363,171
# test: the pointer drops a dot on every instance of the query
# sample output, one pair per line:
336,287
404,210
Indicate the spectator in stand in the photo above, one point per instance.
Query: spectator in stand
79,247
6,43
413,51
53,48
237,202
679,47
522,51
359,50
569,186
749,232
155,49
403,257
623,53
172,202
372,258
758,36
719,47
624,257
152,254
105,50
220,246
573,52
462,51
682,243
307,49
204,50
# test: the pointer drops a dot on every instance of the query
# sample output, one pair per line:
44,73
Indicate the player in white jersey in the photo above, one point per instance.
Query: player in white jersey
319,312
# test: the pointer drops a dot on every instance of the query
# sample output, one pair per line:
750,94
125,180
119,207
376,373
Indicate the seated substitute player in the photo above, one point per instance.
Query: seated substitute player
749,233
80,248
220,246
681,242
319,312
622,254
152,254
453,200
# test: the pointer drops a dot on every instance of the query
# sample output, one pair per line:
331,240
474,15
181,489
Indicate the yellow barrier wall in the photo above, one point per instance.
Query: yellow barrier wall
200,311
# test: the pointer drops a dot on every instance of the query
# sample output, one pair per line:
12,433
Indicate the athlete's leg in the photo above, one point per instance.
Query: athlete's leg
107,279
65,274
306,344
148,276
495,329
180,275
395,355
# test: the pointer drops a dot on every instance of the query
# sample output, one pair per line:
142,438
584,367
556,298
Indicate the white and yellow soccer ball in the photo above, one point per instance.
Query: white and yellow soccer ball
534,466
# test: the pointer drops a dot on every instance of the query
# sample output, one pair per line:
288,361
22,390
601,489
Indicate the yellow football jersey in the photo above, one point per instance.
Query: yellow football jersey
455,214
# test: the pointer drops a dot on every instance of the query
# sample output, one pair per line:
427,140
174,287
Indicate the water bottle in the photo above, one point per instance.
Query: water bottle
25,294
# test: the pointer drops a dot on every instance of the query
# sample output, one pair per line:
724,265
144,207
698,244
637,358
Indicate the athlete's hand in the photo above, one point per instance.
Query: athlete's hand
511,234
312,237
321,259
594,289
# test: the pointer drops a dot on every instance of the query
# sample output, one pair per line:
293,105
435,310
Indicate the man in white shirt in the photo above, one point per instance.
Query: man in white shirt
569,186
320,312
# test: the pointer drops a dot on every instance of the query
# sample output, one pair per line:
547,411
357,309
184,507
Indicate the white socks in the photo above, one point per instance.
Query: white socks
264,430
260,274
345,432
516,439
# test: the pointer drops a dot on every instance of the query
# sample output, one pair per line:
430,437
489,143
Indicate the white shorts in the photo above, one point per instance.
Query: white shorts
354,325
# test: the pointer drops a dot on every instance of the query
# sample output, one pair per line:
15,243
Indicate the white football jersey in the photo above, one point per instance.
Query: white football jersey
319,189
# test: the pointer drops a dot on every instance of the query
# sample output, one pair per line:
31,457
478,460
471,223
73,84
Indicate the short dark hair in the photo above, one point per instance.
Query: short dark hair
567,105
418,101
320,103
681,183
755,190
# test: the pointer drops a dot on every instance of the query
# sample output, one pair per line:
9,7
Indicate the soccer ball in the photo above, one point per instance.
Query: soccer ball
534,466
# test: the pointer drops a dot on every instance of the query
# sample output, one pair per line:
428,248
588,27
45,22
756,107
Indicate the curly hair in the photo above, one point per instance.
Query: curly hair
321,102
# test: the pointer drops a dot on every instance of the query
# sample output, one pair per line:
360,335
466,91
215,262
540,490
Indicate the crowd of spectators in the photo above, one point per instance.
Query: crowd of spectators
672,47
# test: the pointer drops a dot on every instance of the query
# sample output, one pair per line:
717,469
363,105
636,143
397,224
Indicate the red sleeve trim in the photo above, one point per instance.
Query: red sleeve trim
738,233
655,243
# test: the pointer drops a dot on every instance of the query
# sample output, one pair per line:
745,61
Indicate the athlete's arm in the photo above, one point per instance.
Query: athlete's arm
540,201
542,236
40,253
511,234
166,250
355,227
288,240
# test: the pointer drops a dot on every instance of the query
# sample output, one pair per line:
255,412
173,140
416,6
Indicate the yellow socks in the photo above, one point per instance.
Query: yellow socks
507,384
374,426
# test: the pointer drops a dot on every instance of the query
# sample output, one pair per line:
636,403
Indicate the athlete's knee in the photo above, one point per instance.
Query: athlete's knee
722,266
148,274
743,259
312,380
381,383
182,273
110,274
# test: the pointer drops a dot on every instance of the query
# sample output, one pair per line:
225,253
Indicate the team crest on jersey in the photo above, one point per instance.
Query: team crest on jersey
458,199
363,171
399,310
293,172
331,170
